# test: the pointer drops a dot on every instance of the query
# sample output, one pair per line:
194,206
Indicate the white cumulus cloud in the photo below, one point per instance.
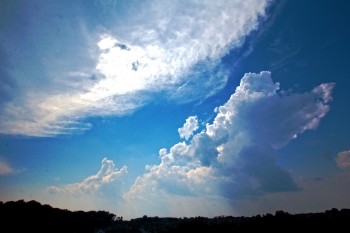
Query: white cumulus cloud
235,155
190,126
107,174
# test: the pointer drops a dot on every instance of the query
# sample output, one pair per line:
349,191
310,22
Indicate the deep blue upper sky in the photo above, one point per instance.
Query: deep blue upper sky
115,105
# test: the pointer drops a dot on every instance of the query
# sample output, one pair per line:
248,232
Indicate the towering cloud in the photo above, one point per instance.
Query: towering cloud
235,156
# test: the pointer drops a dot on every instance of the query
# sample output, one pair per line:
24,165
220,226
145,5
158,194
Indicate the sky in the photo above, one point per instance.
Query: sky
176,108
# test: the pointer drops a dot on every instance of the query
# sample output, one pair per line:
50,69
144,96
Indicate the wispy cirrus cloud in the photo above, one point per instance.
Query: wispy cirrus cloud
163,47
235,156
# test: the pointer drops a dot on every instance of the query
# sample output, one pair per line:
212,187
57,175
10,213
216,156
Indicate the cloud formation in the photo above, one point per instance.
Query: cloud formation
164,47
5,168
343,159
190,126
235,156
107,174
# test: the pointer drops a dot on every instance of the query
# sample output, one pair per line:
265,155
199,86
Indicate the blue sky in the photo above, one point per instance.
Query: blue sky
178,108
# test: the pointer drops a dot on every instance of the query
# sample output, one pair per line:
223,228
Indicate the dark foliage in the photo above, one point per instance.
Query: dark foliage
31,216
21,216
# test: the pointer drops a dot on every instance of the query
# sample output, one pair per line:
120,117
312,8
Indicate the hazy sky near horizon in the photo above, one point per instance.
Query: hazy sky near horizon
176,108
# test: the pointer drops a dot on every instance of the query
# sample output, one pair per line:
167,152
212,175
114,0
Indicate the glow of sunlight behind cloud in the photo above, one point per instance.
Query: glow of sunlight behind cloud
115,71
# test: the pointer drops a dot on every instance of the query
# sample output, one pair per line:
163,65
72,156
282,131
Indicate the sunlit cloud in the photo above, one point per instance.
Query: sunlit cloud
107,174
190,126
235,155
115,71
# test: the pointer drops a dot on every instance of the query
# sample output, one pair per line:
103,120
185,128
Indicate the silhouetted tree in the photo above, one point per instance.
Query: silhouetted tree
21,216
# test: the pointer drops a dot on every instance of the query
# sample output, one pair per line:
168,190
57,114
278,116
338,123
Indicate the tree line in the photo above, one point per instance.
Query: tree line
21,216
